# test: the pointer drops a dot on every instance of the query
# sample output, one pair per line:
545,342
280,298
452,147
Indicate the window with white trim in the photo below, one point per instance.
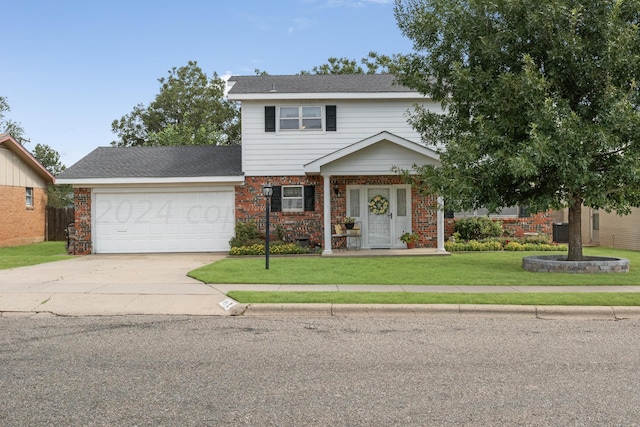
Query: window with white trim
300,118
29,197
292,198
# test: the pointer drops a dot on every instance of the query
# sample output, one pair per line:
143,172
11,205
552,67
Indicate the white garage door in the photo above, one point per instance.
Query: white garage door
177,220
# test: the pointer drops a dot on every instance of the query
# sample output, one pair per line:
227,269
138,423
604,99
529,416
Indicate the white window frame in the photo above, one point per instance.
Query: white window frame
29,196
300,118
288,198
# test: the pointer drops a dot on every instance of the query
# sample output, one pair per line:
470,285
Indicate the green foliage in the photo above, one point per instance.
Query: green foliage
498,245
247,234
475,228
57,195
9,126
189,110
277,249
541,102
374,64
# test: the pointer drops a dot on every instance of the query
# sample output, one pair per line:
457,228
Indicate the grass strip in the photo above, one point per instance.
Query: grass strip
470,268
583,299
37,253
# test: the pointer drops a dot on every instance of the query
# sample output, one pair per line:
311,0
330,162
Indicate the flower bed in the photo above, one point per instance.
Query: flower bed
495,245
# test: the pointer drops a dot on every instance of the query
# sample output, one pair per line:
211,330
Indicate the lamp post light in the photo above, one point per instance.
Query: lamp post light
267,191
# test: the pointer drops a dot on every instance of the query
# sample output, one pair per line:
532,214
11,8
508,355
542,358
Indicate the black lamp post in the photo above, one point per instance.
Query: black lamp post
267,191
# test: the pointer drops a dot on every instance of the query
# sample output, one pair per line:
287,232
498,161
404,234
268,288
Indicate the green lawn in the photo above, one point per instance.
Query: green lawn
38,253
582,299
473,268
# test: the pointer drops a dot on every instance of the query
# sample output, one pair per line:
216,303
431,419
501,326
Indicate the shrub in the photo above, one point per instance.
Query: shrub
477,228
247,234
472,245
258,249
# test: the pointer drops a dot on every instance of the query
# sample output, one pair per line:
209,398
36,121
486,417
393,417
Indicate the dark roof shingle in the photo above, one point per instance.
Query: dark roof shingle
157,162
317,83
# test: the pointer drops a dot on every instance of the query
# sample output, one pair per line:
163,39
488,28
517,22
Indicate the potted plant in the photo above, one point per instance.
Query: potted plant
410,239
349,222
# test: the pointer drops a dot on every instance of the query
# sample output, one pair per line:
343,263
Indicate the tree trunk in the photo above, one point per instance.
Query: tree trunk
575,230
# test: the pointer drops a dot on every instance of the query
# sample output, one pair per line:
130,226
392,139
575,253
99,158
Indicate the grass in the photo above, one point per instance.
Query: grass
472,268
37,253
580,299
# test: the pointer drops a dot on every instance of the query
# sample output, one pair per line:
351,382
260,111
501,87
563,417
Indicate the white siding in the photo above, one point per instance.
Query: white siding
373,159
286,152
14,172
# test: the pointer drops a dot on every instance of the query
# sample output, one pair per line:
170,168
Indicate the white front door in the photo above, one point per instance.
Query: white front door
383,211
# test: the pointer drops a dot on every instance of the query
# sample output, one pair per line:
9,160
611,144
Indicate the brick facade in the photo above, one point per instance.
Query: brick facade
22,225
250,205
81,243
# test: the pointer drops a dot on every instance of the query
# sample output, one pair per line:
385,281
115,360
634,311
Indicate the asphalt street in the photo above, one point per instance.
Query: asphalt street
305,371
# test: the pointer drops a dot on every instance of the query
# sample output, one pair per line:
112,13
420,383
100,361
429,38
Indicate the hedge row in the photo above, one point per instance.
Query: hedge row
258,249
475,246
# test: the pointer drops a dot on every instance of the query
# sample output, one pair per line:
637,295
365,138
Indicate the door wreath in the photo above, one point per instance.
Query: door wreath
378,205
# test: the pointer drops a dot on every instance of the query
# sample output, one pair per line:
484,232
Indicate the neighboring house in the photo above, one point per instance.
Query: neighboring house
23,194
326,143
600,228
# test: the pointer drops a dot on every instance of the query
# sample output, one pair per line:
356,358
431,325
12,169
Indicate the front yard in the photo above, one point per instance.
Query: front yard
473,268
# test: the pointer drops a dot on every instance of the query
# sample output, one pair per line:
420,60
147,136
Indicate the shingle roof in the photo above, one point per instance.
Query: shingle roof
157,162
314,83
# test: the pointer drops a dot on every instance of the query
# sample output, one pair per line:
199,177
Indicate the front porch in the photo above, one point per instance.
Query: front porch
362,253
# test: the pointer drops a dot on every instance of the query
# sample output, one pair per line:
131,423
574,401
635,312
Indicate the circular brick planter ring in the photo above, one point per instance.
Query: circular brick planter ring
559,264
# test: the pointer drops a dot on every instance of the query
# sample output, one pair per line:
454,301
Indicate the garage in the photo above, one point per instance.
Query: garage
161,220
154,199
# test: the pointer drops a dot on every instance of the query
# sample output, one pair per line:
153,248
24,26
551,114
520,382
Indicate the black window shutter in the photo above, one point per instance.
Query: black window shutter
524,211
276,199
269,119
330,113
309,198
448,213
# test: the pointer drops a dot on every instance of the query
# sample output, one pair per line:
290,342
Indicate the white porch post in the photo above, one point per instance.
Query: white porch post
440,224
327,215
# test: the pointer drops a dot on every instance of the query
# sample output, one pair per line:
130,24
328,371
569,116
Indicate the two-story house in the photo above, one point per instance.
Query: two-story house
326,143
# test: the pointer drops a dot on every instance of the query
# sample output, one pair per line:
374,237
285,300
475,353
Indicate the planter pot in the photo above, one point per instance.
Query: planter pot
411,245
350,226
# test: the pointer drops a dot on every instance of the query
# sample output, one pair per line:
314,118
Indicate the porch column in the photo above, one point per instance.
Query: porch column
440,224
327,215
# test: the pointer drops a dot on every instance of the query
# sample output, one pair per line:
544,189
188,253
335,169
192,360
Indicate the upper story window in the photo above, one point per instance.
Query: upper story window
300,118
289,118
29,197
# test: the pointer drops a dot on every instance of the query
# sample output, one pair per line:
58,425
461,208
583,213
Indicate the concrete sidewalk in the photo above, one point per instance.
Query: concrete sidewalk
109,285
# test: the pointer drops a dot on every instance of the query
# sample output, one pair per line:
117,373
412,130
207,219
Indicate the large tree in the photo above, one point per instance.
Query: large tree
9,126
374,63
57,195
541,102
191,109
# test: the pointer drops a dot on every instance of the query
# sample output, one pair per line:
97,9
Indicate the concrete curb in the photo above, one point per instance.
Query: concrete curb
442,310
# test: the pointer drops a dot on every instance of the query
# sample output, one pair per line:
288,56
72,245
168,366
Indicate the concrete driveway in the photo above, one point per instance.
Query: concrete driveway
112,285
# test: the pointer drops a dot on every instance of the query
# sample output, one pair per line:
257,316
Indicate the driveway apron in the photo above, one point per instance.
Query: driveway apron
112,285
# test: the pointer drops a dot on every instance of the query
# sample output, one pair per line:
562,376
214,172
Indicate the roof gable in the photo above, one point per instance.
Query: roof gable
361,151
17,148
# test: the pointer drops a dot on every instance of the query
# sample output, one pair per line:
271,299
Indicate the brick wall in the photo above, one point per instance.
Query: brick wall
81,244
250,205
22,225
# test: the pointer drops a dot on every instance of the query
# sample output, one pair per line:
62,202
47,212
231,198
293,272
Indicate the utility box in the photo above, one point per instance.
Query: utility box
561,232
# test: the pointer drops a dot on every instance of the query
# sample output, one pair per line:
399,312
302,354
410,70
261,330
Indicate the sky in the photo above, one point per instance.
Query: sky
71,67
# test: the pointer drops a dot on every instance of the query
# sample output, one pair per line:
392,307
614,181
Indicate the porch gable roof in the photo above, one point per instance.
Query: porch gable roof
422,154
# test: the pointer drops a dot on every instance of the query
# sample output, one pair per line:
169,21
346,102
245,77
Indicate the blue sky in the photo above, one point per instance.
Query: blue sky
70,67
